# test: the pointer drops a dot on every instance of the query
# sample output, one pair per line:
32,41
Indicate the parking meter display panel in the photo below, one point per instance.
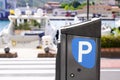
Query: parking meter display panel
82,63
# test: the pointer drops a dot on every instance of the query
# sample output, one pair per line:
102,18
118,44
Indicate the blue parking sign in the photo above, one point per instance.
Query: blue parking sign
84,51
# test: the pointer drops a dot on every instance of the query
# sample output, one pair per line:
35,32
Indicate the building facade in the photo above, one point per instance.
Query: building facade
3,4
106,2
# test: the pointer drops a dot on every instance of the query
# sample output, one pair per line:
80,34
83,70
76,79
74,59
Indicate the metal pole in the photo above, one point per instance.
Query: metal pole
87,9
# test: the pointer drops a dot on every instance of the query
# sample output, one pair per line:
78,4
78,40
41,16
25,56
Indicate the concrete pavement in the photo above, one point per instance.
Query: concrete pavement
110,69
110,62
27,67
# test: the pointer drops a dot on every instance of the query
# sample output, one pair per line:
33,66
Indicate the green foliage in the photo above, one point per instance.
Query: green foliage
22,26
116,31
110,41
27,25
35,23
71,6
67,7
82,6
63,5
75,4
93,3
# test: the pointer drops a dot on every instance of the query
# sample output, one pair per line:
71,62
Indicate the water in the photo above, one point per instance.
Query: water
58,24
110,23
3,23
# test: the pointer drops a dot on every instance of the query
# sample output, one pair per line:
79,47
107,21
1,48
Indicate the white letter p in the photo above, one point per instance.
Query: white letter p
81,51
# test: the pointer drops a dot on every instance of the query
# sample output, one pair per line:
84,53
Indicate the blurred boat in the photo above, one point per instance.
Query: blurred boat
105,30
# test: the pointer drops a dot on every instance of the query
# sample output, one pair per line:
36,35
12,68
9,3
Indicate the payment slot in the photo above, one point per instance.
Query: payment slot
78,56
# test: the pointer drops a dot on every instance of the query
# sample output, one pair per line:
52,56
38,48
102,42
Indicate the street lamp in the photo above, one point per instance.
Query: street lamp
87,9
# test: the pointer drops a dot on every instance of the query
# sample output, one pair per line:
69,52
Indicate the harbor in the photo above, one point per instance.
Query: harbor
29,39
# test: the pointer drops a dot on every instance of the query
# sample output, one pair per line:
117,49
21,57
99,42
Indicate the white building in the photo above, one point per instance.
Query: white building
106,2
3,4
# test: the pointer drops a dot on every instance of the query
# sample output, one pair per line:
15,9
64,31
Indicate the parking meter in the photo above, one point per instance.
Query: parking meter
78,56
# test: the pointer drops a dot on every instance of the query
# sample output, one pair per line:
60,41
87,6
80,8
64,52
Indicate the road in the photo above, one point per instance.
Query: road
41,69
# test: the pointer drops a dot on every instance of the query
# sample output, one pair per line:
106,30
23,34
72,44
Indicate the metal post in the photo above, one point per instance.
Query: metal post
87,9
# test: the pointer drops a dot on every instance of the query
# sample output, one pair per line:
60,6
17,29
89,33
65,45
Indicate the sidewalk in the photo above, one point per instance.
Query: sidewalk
110,63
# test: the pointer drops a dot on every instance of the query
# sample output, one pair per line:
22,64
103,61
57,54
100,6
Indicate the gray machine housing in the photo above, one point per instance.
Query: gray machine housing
66,66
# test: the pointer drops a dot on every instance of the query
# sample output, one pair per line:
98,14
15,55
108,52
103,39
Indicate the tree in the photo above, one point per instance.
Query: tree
63,5
66,7
71,8
75,3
